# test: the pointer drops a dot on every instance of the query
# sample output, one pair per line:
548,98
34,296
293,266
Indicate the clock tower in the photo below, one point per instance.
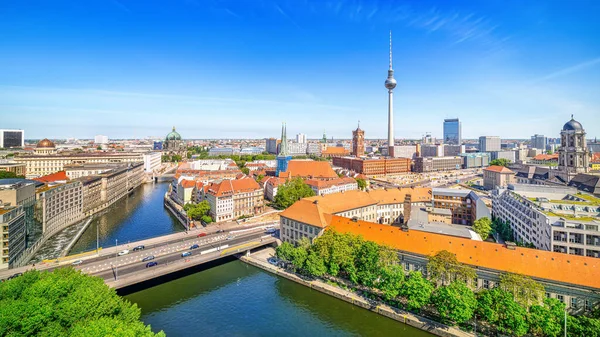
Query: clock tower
358,142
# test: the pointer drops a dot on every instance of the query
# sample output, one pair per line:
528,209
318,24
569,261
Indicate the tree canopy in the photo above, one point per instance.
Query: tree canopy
500,162
8,175
454,302
65,302
483,227
292,191
525,290
198,211
362,184
443,268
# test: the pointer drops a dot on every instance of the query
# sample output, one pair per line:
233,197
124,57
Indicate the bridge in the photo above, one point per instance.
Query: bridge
130,269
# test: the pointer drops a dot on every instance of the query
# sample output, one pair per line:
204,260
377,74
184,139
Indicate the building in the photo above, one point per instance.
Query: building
553,218
157,146
220,151
270,185
308,217
358,142
14,231
59,206
296,149
322,187
489,144
232,199
152,162
374,166
452,131
271,145
283,158
433,164
301,138
545,159
252,150
174,144
46,161
432,150
100,139
185,191
539,142
573,153
390,84
453,150
314,149
497,176
404,151
309,169
74,171
570,279
508,155
589,183
11,138
334,151
10,166
466,206
475,160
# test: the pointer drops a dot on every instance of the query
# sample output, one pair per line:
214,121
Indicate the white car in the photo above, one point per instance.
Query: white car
123,252
76,263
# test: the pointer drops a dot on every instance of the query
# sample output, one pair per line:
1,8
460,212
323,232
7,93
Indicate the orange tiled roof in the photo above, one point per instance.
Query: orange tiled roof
546,157
309,169
335,150
230,187
397,195
328,183
273,181
498,169
596,157
539,264
187,183
58,176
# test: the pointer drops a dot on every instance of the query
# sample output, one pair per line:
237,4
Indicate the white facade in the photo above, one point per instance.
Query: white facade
489,143
300,138
297,148
212,164
100,139
151,161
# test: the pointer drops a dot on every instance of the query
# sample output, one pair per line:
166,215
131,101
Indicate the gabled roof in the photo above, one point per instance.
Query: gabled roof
231,187
58,176
538,264
329,183
187,183
546,157
309,169
498,169
335,150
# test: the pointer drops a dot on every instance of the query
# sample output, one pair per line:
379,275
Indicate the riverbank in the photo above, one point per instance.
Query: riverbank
259,260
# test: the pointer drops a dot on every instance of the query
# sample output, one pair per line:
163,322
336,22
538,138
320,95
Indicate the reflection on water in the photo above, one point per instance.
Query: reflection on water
138,216
235,299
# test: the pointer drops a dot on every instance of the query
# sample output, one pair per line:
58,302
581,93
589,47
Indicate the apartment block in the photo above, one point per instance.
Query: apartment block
433,164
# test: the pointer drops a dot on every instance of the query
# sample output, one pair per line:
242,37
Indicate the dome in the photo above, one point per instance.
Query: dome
390,83
45,143
572,125
173,135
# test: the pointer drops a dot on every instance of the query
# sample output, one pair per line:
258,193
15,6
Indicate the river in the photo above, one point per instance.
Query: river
236,299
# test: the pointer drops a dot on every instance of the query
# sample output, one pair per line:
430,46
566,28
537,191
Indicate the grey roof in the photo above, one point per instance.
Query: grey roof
14,181
586,182
451,192
572,125
442,211
419,222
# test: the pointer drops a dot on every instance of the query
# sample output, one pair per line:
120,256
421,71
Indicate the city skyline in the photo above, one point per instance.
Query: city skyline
218,71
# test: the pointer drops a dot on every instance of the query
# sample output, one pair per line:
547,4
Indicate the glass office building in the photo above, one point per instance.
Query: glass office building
452,131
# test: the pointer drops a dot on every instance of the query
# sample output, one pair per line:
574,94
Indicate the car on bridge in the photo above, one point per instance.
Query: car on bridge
194,246
76,263
201,235
140,247
151,264
184,254
123,252
148,258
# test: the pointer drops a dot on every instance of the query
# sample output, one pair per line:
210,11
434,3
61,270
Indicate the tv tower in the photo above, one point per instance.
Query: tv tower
390,84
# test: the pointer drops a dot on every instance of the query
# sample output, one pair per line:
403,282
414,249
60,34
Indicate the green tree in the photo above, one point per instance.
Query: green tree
260,177
245,170
443,268
65,302
362,184
292,191
367,263
338,252
285,251
498,307
500,162
454,302
547,319
8,175
582,326
483,227
525,290
391,281
198,211
416,290
314,265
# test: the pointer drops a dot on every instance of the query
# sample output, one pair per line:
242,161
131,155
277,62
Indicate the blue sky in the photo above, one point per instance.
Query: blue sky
237,69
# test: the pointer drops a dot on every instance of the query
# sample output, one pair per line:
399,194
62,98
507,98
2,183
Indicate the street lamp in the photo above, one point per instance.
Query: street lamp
116,255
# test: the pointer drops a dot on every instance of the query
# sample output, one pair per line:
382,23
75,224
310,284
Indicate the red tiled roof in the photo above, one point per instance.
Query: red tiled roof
596,157
328,183
335,150
187,183
540,264
230,187
498,169
58,176
309,169
546,157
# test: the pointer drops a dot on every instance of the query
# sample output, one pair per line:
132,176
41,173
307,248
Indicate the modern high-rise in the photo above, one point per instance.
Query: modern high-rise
390,84
301,138
489,143
358,142
12,138
538,142
452,131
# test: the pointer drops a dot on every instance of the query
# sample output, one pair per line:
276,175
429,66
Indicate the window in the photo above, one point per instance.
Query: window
560,298
573,302
486,284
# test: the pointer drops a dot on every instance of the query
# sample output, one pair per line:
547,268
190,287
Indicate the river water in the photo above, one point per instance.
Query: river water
236,299
231,299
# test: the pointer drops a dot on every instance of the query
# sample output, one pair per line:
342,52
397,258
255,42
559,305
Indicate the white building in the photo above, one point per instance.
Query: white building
212,164
552,218
151,161
300,138
489,143
13,230
100,139
323,187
